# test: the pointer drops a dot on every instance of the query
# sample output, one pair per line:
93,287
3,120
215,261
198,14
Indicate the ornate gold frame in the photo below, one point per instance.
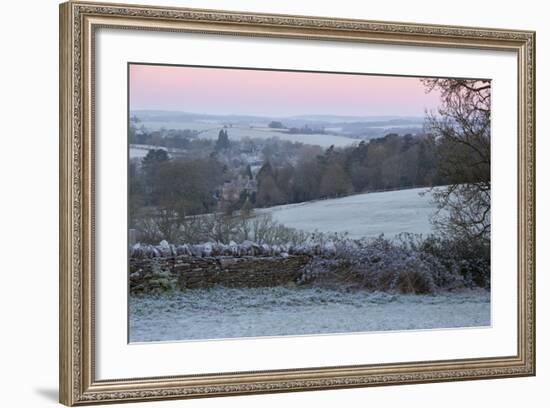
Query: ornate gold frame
78,20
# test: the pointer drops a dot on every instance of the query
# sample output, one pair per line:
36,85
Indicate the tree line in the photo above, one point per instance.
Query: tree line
391,162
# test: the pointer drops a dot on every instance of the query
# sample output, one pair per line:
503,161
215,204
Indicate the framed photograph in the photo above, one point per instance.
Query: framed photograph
256,203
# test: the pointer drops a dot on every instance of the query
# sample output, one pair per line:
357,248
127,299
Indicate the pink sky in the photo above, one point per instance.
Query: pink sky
275,93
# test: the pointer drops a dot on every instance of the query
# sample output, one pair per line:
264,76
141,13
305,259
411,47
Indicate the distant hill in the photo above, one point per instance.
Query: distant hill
357,127
161,115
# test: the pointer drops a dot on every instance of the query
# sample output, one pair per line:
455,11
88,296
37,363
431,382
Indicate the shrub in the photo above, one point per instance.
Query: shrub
218,227
408,264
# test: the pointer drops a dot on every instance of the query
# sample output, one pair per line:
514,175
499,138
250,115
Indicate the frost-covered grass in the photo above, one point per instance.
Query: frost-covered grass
252,312
361,215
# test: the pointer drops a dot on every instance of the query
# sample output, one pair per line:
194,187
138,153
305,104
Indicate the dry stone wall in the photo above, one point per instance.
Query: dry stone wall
191,271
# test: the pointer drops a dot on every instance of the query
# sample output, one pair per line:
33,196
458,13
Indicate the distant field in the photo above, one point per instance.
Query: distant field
361,215
211,130
196,125
265,133
139,151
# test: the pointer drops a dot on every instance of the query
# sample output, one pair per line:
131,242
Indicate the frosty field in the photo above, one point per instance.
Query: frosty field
211,130
361,215
229,313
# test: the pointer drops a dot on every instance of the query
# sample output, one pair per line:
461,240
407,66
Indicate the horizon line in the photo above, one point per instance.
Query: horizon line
276,116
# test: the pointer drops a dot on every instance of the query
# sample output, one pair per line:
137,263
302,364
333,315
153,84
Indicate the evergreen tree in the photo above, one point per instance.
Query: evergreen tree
223,140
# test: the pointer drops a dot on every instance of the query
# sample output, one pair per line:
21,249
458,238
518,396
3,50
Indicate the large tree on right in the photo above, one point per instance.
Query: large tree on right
461,130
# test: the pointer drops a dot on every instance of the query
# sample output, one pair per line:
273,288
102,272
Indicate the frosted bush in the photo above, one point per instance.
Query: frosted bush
412,264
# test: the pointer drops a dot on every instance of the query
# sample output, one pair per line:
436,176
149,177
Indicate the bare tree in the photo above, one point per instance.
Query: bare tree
462,132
